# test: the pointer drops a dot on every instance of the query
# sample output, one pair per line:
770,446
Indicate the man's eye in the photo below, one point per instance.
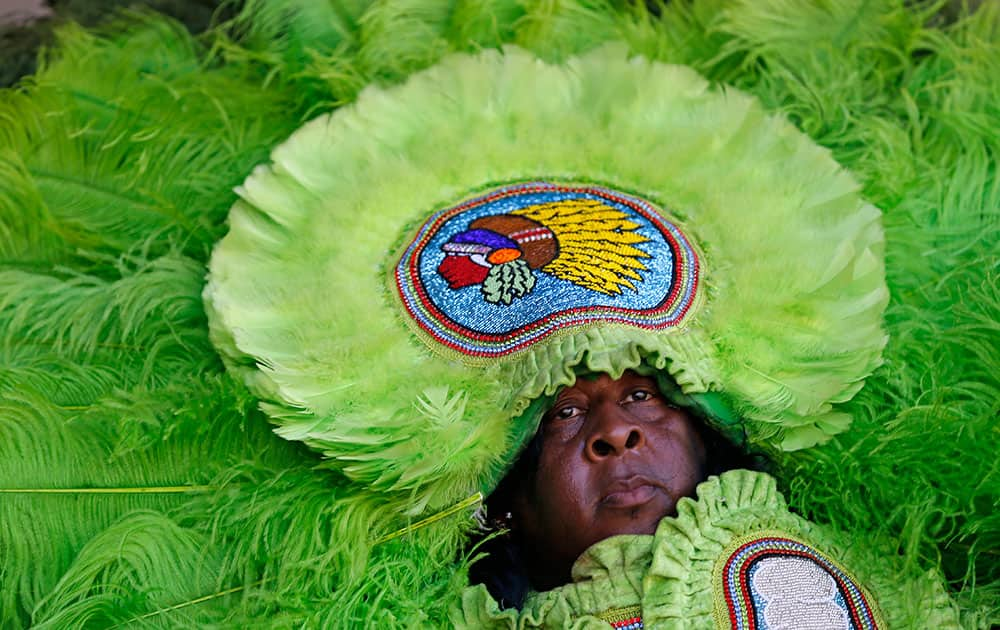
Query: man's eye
564,413
640,395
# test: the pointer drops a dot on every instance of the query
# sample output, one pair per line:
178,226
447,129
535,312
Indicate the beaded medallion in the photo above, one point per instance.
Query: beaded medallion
776,583
508,268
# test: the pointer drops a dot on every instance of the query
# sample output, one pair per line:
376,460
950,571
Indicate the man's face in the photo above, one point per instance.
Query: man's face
615,459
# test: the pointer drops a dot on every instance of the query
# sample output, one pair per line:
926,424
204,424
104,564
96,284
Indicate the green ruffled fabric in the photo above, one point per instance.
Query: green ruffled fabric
608,576
671,573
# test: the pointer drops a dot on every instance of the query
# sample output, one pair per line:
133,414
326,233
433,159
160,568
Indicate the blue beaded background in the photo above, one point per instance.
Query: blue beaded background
467,308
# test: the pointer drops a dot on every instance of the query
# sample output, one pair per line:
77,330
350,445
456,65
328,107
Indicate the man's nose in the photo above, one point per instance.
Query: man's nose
613,431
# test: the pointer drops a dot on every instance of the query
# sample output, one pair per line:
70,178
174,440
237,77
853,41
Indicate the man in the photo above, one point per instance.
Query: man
760,311
591,531
410,281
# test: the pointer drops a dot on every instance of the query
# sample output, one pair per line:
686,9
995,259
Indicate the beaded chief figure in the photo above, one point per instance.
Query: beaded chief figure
583,241
281,308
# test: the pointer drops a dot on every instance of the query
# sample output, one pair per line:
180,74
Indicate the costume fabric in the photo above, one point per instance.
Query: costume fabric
236,388
675,578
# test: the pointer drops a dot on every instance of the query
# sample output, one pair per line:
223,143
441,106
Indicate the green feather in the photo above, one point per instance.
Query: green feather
117,165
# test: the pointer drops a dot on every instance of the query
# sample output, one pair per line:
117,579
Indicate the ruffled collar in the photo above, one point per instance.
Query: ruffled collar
615,573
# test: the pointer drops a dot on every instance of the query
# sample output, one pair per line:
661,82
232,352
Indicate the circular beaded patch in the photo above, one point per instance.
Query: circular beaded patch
776,583
499,272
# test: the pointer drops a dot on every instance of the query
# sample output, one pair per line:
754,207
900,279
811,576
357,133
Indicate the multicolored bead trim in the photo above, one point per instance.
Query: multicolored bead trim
627,618
744,609
504,270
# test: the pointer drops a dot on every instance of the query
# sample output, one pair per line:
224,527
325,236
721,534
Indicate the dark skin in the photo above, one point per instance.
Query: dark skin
616,457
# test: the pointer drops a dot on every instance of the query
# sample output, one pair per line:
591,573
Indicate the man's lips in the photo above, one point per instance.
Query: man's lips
631,492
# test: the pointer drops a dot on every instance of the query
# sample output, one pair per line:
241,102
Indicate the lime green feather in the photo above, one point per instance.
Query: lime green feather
117,163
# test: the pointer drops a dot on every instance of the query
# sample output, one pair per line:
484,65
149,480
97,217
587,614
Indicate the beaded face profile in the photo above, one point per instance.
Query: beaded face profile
499,272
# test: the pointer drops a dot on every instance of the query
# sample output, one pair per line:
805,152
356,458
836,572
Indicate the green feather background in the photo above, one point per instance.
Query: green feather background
118,161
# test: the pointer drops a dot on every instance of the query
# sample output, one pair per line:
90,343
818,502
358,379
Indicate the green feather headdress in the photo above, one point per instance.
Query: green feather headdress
786,291
140,485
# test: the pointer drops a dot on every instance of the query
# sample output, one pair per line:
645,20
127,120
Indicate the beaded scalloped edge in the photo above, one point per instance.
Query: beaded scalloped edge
625,618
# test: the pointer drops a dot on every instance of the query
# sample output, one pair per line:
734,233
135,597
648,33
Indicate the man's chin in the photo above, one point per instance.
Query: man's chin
636,520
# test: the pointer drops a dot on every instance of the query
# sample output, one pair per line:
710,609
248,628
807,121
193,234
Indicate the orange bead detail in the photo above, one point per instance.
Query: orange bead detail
501,256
